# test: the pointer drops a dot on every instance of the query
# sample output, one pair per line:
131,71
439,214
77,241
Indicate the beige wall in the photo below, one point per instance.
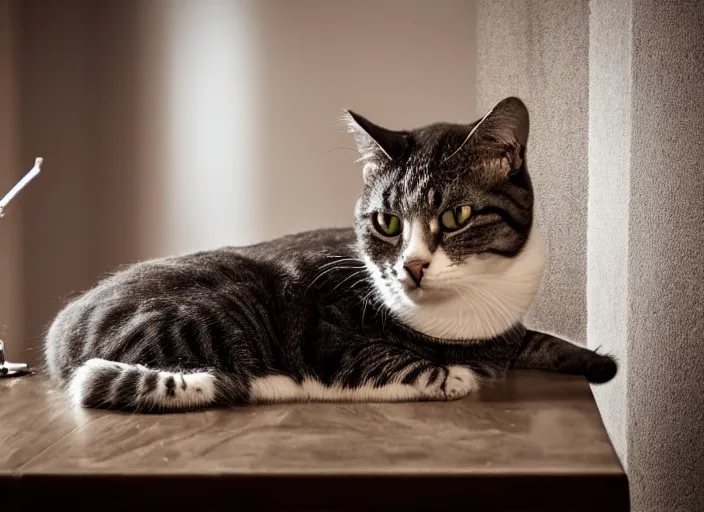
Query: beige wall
171,126
10,172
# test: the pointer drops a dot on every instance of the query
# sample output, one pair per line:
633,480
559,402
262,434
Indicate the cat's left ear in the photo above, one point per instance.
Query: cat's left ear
506,124
374,143
502,135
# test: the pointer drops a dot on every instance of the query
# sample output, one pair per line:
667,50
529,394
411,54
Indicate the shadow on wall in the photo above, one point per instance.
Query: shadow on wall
169,127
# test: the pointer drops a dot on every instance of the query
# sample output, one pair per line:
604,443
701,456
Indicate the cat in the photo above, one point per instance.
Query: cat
422,299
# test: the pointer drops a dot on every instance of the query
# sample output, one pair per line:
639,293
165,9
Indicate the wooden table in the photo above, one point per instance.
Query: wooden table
533,442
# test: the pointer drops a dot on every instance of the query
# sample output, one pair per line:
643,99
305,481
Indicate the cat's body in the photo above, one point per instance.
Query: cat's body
292,318
399,308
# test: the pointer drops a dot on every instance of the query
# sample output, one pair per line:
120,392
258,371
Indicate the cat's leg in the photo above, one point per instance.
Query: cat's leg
437,383
99,383
545,352
434,382
373,374
459,381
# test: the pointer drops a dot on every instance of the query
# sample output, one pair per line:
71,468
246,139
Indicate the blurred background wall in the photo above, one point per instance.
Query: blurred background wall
10,250
175,125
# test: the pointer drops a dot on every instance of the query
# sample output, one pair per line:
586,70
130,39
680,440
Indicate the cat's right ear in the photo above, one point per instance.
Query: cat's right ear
374,143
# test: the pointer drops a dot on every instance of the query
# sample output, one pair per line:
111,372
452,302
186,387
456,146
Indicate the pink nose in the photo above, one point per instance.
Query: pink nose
414,268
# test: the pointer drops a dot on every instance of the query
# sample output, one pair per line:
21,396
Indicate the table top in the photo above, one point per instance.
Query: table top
532,440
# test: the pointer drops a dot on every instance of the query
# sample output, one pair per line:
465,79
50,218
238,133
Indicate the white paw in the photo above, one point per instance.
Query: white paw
429,383
450,383
460,382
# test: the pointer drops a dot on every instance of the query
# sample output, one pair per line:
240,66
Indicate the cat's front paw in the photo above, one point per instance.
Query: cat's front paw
447,383
459,382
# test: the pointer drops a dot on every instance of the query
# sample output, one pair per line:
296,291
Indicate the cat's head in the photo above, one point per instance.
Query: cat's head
445,222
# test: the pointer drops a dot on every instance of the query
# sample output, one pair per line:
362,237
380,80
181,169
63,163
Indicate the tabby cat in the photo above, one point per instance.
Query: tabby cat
422,300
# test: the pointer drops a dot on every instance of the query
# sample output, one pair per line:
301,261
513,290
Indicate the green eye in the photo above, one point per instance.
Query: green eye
387,224
456,218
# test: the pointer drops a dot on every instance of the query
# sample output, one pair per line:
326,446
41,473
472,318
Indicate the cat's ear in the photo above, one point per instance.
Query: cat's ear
506,124
374,143
502,135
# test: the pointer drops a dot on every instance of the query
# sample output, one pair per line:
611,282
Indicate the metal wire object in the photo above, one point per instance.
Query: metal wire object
16,369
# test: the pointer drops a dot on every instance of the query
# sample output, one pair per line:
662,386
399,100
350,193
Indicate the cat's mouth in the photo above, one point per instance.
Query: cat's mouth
426,292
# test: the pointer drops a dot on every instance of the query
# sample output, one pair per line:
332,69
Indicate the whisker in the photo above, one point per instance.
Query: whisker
342,147
340,260
326,272
345,260
357,282
346,279
365,301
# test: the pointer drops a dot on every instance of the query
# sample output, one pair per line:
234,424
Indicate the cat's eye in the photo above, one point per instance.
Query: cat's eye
387,224
455,218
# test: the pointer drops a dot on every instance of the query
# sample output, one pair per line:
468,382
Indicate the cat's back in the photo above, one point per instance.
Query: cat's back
304,246
279,260
277,269
285,259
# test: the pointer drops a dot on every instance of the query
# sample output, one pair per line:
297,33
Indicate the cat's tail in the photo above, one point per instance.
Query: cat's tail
103,384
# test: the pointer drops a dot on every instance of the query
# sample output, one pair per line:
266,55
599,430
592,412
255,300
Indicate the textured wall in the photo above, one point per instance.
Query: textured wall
666,258
645,242
543,59
609,194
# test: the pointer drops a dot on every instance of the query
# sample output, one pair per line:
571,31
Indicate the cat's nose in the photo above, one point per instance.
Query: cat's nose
414,268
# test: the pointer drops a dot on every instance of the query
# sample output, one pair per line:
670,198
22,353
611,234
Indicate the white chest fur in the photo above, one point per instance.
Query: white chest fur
482,298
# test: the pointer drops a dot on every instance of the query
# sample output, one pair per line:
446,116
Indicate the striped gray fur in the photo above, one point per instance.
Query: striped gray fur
332,313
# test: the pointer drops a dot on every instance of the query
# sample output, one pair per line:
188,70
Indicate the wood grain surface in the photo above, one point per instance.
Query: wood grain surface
532,442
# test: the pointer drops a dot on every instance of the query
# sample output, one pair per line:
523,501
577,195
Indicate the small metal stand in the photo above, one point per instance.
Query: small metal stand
11,369
16,369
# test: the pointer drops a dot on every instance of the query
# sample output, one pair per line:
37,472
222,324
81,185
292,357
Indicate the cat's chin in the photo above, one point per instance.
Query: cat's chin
427,295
